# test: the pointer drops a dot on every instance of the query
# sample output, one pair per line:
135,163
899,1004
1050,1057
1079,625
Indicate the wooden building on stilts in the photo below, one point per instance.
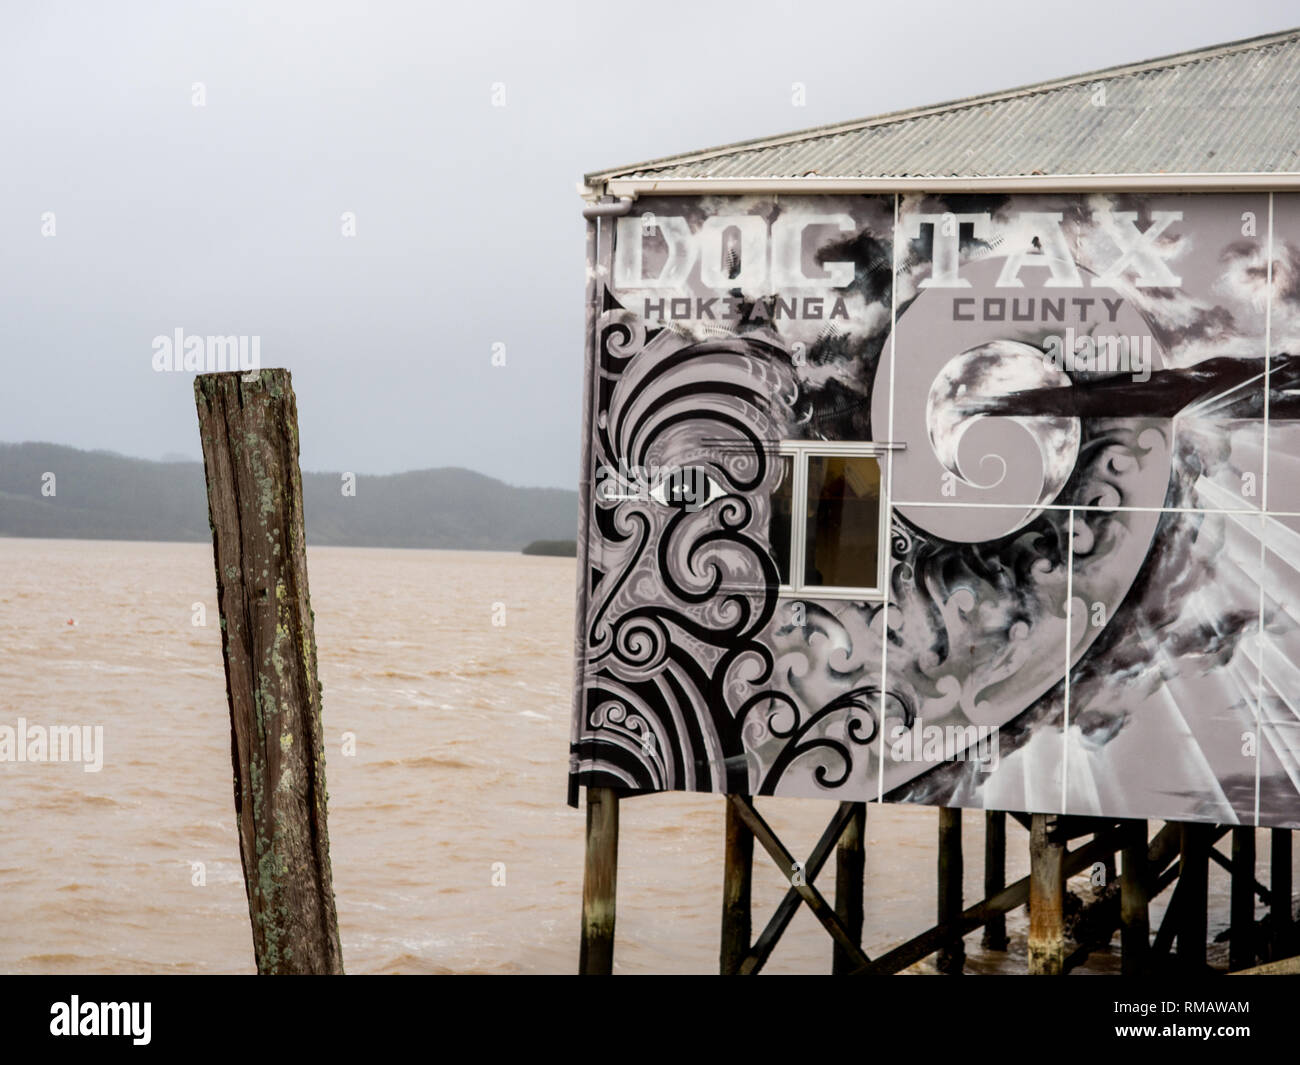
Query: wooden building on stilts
951,457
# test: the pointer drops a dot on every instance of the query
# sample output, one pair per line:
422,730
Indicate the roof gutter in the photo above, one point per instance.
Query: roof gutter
609,208
631,188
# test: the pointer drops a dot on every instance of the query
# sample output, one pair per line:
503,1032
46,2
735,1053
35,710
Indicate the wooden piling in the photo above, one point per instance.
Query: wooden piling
850,868
1280,892
249,432
1107,865
737,881
1009,898
995,876
1134,901
1046,897
1241,941
1193,886
599,884
952,955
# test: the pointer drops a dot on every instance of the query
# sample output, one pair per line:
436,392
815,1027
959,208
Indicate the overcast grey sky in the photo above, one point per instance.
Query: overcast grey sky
225,219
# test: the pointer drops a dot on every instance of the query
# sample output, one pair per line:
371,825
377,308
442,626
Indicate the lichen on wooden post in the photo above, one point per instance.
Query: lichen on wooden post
1046,896
599,884
249,430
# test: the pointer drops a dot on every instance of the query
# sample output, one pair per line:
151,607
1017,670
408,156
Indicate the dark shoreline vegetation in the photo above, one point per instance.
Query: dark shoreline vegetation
101,495
553,548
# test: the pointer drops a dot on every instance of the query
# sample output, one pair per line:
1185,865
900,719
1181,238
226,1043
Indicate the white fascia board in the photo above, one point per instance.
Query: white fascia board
636,187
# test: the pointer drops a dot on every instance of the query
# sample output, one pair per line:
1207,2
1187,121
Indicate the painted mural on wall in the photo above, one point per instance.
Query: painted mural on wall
986,501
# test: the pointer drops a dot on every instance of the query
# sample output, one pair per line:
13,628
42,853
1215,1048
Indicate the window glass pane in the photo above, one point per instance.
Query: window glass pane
843,521
782,517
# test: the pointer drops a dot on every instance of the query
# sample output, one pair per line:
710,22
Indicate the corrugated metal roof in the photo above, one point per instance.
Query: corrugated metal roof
1228,109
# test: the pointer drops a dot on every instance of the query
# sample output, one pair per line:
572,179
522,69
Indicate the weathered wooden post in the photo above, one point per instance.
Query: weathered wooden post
1193,886
995,876
249,431
1241,936
850,867
952,955
1107,863
737,881
1279,886
599,884
1046,897
1134,901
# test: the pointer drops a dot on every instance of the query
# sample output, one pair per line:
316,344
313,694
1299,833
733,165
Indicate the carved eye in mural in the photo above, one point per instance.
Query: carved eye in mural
687,488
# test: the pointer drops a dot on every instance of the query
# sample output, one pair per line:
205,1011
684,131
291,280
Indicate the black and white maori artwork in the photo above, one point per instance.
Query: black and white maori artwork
986,501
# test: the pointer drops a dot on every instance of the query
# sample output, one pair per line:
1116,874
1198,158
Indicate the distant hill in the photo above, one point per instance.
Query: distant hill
101,495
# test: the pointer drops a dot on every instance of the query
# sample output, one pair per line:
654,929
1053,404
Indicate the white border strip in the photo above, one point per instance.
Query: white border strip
887,501
1264,515
1069,663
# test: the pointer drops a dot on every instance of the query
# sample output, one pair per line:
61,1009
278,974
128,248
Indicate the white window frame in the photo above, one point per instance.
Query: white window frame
800,451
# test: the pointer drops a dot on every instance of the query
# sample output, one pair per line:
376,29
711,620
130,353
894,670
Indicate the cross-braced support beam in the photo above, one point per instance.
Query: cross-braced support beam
802,891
